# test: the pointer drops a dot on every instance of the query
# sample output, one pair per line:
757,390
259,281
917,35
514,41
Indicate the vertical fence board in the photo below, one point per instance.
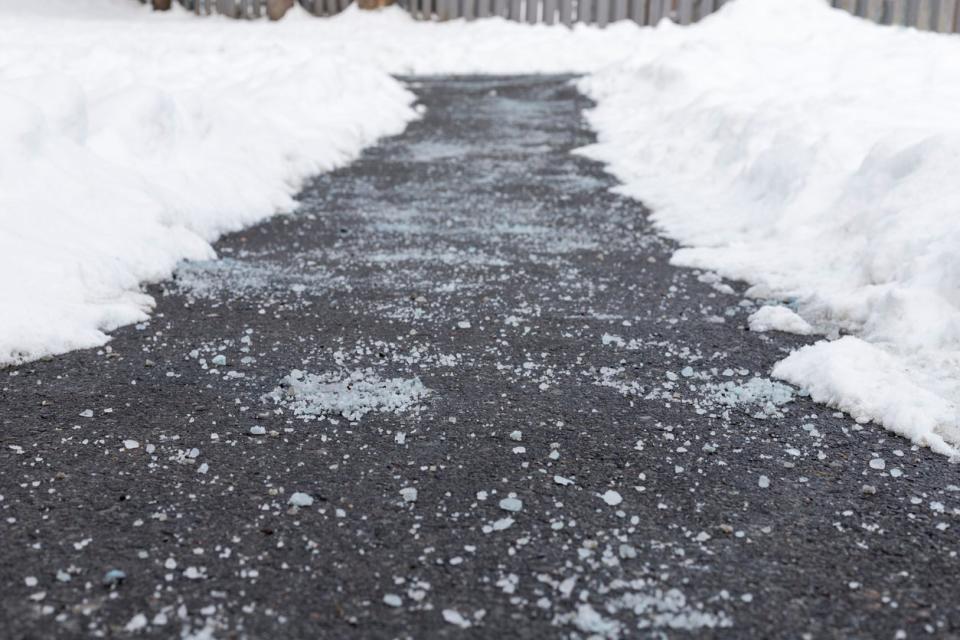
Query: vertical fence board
603,12
566,12
685,12
638,11
549,11
584,11
706,8
874,10
500,8
912,14
656,11
515,6
619,10
483,8
533,11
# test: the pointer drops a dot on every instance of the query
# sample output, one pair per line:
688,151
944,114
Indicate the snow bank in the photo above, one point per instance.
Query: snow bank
131,140
814,155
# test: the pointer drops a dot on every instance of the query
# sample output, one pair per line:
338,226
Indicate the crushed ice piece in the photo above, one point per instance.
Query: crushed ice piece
409,494
219,360
352,395
878,464
392,600
113,578
563,482
131,444
257,430
136,623
516,435
299,499
764,394
454,618
763,482
612,498
86,413
511,504
503,523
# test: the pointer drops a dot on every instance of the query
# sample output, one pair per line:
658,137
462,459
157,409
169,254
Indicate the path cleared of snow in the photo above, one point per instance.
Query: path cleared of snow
130,140
813,155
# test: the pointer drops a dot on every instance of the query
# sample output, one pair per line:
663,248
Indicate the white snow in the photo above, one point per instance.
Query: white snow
778,318
130,140
813,155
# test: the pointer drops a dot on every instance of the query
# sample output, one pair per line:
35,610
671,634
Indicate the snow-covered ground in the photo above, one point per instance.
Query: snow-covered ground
815,156
783,143
130,140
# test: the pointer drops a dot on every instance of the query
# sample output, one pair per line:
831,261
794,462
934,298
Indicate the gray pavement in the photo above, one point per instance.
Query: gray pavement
468,312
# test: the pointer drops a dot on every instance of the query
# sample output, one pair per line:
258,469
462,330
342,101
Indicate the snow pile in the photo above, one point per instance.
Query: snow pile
130,140
815,156
778,318
352,395
124,150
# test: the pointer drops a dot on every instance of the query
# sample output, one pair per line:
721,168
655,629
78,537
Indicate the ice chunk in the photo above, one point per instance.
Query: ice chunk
612,498
392,600
511,504
299,499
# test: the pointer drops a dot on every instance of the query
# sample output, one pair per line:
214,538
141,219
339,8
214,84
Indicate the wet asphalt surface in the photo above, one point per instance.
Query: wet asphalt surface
561,362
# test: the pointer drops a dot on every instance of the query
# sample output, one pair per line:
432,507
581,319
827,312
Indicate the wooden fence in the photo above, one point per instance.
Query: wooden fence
251,9
934,15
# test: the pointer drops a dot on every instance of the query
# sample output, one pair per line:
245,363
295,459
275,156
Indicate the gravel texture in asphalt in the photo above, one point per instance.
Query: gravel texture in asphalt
459,393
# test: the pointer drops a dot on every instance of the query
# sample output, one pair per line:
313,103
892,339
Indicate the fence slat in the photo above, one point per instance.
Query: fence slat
483,8
686,11
603,12
912,14
638,11
706,8
500,8
619,10
515,6
566,12
549,11
656,11
584,13
533,11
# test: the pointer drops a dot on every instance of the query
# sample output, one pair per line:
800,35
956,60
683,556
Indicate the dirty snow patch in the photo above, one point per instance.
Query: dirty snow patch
761,397
351,395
